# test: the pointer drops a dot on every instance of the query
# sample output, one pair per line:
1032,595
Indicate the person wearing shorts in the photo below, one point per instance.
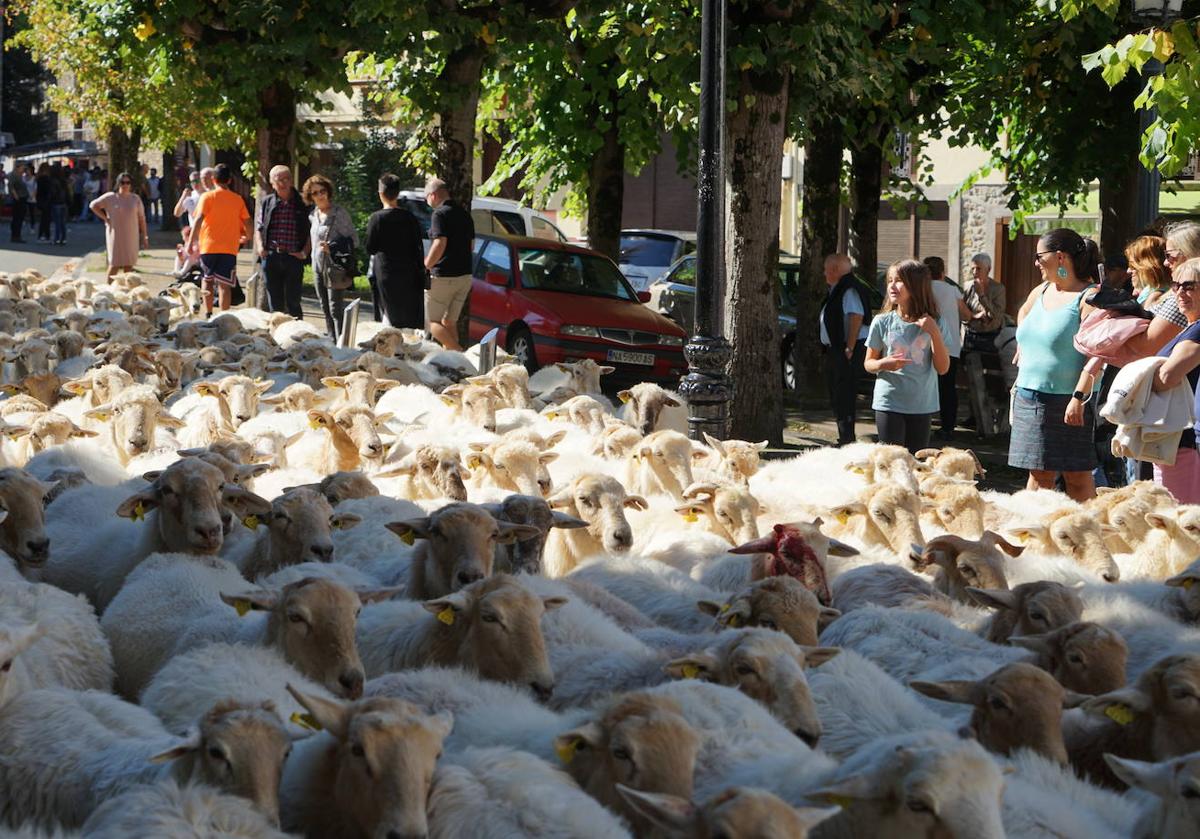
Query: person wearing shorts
451,232
222,224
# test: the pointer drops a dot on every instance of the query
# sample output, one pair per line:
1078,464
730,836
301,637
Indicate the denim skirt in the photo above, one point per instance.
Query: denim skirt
1041,439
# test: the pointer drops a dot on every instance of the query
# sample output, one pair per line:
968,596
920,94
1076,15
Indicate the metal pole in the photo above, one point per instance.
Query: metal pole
706,387
1149,181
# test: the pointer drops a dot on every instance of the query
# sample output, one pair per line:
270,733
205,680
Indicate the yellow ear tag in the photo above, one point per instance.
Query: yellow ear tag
314,424
1189,582
734,621
407,537
624,397
139,512
691,518
242,606
725,608
251,521
446,400
1120,714
473,462
566,751
446,616
839,800
691,671
306,721
843,518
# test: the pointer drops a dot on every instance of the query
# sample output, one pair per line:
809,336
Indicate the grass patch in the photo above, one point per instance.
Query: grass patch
360,287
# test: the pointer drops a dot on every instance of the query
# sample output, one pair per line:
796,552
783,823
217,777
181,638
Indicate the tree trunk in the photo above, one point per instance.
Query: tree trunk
754,145
123,150
866,169
276,139
167,191
606,188
818,238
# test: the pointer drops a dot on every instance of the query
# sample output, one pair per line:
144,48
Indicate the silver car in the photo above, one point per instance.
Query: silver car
648,254
674,295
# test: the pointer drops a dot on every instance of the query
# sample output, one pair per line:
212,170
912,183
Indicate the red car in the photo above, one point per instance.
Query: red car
556,302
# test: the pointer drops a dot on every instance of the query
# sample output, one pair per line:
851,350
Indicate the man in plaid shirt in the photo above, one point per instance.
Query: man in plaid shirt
281,241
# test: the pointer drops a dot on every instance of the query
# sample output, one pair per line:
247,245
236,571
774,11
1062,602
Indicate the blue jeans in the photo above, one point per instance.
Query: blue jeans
58,216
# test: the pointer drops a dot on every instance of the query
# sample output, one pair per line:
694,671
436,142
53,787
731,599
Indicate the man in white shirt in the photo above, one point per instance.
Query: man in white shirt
952,311
843,331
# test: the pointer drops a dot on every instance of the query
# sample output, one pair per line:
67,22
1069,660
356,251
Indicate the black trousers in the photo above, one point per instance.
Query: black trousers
43,221
841,378
18,219
333,304
284,276
948,396
908,430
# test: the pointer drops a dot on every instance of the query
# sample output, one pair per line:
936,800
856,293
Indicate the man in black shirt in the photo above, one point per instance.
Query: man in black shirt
451,232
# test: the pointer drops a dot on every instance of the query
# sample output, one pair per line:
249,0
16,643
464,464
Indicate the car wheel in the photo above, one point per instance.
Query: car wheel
789,364
520,344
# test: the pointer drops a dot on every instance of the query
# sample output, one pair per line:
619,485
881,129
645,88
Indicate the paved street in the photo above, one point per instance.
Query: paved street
81,240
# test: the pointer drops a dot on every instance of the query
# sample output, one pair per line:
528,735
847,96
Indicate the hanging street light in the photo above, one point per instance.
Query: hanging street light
1161,14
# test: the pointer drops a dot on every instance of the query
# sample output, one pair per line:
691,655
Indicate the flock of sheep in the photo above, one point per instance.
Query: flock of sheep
258,583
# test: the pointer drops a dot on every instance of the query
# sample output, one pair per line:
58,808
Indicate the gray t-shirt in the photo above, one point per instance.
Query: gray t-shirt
913,389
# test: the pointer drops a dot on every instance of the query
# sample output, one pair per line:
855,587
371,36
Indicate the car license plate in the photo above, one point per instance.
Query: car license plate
643,358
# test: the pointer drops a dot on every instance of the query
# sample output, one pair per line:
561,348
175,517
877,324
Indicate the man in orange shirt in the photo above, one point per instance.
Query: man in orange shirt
222,224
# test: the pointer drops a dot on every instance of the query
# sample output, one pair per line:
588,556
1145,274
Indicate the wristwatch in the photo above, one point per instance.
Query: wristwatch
1080,395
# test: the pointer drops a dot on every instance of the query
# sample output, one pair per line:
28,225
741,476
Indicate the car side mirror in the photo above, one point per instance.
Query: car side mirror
496,278
643,296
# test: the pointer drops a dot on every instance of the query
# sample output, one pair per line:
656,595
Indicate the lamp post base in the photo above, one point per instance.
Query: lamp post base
706,387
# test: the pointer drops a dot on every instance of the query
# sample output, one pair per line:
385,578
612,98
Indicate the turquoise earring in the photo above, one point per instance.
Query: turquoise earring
1062,272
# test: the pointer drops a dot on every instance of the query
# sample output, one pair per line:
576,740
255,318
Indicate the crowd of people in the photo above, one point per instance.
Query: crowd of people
1086,322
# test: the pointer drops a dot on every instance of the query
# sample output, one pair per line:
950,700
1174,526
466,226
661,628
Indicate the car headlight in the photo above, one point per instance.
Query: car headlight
670,340
580,331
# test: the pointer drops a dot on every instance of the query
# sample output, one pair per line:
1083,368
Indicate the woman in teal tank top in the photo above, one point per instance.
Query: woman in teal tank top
1053,413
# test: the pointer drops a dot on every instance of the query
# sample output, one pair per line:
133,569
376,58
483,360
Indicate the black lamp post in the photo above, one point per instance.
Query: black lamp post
707,386
1158,13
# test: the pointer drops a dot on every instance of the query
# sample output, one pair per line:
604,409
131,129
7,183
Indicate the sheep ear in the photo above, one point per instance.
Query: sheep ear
344,521
375,595
169,421
561,498
102,414
675,815
1158,520
714,442
708,607
399,470
76,431
244,502
259,600
1041,643
569,744
816,656
447,608
249,471
990,537
758,447
547,457
840,548
15,432
810,817
555,438
329,714
1071,699
475,460
206,389
561,519
184,747
386,384
265,385
1185,580
1118,705
636,502
695,666
510,532
410,529
827,615
855,787
955,690
136,506
993,598
151,476
1029,533
845,511
624,395
552,603
1152,777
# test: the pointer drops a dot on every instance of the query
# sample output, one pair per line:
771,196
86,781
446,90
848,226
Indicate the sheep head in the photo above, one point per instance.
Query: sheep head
525,555
790,553
22,529
1084,657
600,500
779,603
730,511
738,811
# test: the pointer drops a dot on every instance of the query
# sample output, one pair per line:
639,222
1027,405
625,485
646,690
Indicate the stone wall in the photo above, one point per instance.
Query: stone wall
977,211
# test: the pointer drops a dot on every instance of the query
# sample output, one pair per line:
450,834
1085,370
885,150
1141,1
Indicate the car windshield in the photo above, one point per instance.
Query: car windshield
551,270
647,251
684,273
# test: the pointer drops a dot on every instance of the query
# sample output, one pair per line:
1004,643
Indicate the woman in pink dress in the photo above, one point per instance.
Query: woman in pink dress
124,224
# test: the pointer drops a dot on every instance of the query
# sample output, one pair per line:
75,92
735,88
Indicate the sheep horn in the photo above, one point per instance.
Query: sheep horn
925,454
765,545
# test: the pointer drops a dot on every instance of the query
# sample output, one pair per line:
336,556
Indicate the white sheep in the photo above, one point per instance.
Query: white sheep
168,809
599,500
661,464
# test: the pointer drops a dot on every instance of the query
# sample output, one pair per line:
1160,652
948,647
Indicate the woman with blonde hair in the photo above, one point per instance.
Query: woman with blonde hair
906,351
1147,257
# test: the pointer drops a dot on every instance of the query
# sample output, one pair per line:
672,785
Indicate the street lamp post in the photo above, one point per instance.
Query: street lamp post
707,387
1154,13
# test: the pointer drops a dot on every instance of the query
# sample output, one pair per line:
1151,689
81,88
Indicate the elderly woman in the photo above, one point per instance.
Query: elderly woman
1053,409
985,298
1183,360
329,224
124,225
